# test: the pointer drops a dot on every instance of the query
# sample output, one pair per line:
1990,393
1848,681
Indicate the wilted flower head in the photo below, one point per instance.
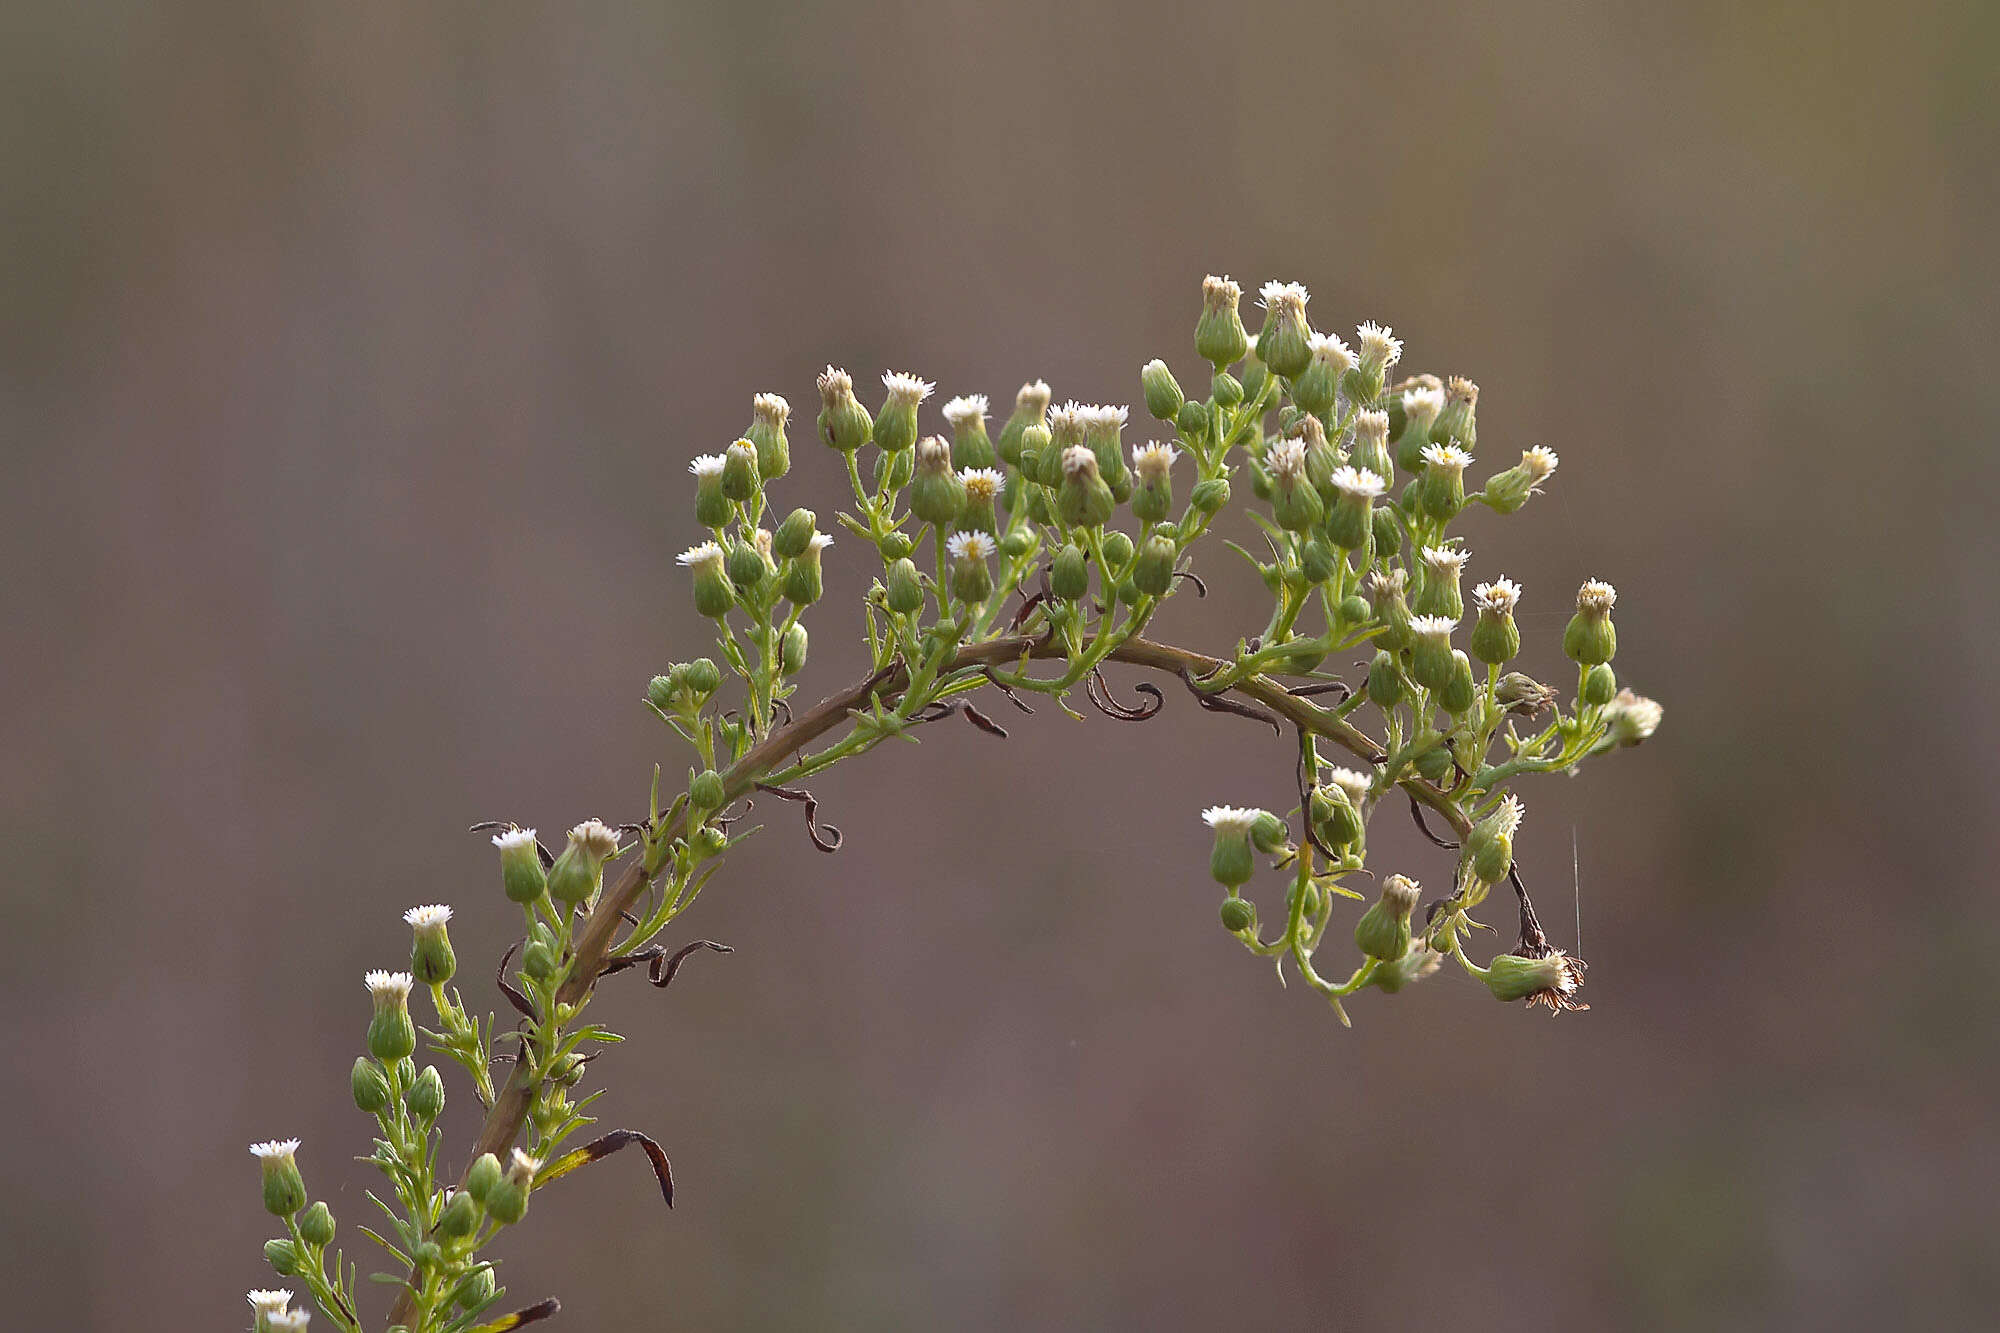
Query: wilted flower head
835,386
934,453
1032,399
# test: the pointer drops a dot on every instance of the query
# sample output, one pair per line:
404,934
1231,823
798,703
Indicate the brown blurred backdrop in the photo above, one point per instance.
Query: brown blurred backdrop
352,357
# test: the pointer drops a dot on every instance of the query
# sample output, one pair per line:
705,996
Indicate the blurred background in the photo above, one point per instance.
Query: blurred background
352,358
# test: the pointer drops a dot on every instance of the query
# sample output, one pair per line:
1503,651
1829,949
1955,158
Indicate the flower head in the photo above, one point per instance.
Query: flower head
1220,293
1632,718
835,386
970,546
1378,348
1358,482
1500,596
1436,628
1032,399
291,1321
1231,818
1551,978
982,483
1539,462
1328,350
1153,460
1461,390
514,839
906,390
427,918
707,465
965,409
284,1149
522,1166
1355,784
1289,297
1078,460
769,407
819,541
1447,561
934,453
268,1303
1596,597
1448,456
706,557
390,986
596,837
1287,459
1422,404
1066,422
1104,416
1386,583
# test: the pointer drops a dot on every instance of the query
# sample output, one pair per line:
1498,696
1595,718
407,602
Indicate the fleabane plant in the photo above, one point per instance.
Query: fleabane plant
1018,562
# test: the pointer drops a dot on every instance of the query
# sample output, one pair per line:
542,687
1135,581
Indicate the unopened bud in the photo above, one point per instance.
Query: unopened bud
283,1256
1385,682
460,1216
792,649
1162,390
739,471
936,493
1386,593
804,579
905,587
1153,571
507,1200
745,565
1031,408
1238,915
483,1175
1084,500
1459,693
1600,685
1489,848
476,1290
1294,503
1336,808
370,1085
1210,496
793,535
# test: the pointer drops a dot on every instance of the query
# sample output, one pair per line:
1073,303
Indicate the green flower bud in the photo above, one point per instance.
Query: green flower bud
1294,503
1551,979
745,566
702,678
1209,497
1420,407
1316,562
895,546
712,594
660,693
427,1254
1495,636
936,494
1238,915
1508,491
1162,390
1392,976
1600,685
792,650
1385,593
579,871
1384,929
1117,550
1431,663
1379,351
431,959
1433,764
1336,808
804,579
1039,457
1351,524
739,471
1232,862
459,1218
896,423
1192,420
1454,425
484,1174
476,1290
712,508
1031,408
1388,533
507,1200
283,1256
391,1034
1385,683
1631,719
1153,491
970,446
1268,833
844,424
1084,501
1318,385
1590,638
906,589
1017,544
1489,848
1069,573
370,1085
316,1226
1441,595
766,434
794,534
284,1187
426,1096
971,579
1219,336
1153,573
540,961
1285,343
706,790
1442,492
1459,693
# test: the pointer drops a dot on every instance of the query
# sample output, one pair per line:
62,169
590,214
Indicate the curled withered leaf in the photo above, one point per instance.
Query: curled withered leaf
514,997
824,836
534,1314
1417,814
660,964
1216,703
1098,690
600,1148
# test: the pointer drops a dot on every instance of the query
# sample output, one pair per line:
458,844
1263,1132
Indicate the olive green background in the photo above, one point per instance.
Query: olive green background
352,358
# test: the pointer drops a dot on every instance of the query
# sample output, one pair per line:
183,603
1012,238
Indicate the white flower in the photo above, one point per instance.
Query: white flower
1377,347
1371,424
819,541
1433,627
982,483
290,1321
1104,416
1287,294
1423,403
1508,817
1077,460
1153,460
522,1166
1446,559
514,839
595,837
278,1149
906,390
1068,417
1447,456
1287,458
1596,597
394,986
427,918
835,385
1500,596
1353,783
970,546
1231,818
963,411
706,557
1032,398
1329,350
268,1303
1538,462
1387,583
744,449
707,465
1359,482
